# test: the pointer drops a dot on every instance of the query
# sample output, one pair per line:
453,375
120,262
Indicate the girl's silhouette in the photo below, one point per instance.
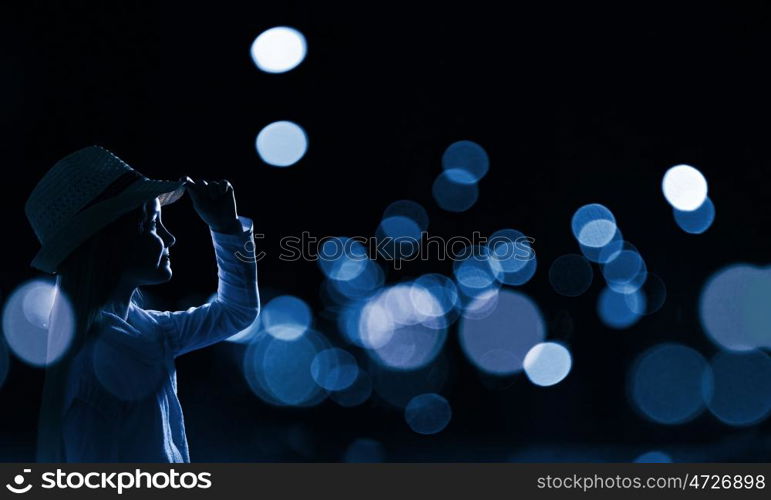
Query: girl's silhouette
112,395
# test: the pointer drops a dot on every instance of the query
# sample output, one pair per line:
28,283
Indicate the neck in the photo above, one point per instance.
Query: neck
120,300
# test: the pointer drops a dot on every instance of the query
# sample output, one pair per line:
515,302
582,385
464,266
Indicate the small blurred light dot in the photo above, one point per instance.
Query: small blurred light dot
570,275
410,210
696,221
466,161
614,311
684,187
593,225
454,196
278,49
282,143
428,413
286,317
547,363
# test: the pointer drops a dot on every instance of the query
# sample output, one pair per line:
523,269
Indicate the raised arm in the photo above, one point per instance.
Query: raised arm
237,303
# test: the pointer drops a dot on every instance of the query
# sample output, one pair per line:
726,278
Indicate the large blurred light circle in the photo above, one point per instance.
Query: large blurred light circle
286,317
428,413
334,369
397,330
615,311
498,343
454,196
734,307
570,275
278,49
668,382
547,363
38,322
465,161
696,221
593,225
741,394
279,371
282,143
685,188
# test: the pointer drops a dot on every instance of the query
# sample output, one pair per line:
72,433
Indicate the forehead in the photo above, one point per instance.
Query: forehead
152,207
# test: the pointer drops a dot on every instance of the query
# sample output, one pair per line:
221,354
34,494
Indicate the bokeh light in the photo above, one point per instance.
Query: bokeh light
428,413
570,275
286,317
684,187
614,310
649,298
547,363
593,225
342,258
473,273
497,343
741,392
626,272
454,196
38,322
281,143
734,309
399,327
398,237
696,221
667,383
410,210
465,162
334,369
279,371
364,450
279,49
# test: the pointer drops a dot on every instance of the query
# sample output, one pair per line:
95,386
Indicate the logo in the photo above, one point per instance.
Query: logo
19,481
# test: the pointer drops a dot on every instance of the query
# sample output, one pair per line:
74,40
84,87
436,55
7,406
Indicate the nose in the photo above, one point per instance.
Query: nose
168,238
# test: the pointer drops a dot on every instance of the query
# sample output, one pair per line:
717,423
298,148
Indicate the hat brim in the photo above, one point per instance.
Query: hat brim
86,223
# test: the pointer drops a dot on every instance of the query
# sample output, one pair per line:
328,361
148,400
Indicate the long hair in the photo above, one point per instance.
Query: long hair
85,283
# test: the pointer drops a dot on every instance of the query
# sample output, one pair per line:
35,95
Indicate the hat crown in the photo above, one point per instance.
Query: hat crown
70,185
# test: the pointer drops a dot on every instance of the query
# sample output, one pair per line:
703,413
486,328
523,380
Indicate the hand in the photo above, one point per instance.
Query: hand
215,203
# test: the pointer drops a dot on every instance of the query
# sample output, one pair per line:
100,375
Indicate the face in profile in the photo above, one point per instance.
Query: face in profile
150,261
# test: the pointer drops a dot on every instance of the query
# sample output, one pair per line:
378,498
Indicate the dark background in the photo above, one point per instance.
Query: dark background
573,103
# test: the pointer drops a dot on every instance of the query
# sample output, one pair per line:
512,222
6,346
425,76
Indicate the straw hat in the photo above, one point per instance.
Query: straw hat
81,194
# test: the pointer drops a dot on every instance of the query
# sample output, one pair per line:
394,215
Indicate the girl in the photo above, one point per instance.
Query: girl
110,393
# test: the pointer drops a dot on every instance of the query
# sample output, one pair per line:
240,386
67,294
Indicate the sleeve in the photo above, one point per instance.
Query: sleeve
236,305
